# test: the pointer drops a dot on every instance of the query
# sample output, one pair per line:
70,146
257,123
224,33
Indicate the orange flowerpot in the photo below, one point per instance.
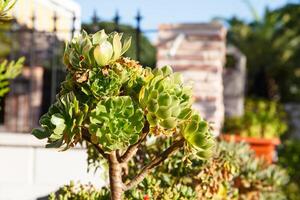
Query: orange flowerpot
263,147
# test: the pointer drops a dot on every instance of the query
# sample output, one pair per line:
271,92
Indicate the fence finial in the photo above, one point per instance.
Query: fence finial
138,32
54,22
117,20
73,24
95,20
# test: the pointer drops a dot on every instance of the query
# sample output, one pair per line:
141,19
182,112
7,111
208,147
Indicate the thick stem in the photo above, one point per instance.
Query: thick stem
115,177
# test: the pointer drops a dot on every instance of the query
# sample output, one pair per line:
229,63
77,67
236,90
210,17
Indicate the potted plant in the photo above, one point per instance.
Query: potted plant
260,126
112,103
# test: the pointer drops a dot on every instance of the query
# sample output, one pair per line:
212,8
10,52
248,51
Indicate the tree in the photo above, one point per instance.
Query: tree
113,103
271,45
147,50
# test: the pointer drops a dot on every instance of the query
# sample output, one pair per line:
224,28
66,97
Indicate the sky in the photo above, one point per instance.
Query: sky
155,12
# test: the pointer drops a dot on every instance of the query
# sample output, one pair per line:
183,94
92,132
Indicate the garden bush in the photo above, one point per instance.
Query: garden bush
233,172
289,158
262,119
113,104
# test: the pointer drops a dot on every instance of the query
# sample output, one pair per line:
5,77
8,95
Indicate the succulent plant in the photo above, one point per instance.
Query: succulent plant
165,100
109,47
77,191
113,103
101,85
116,122
197,134
63,122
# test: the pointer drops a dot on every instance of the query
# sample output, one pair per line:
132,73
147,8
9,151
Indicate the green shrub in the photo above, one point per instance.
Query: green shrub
289,158
79,192
262,118
232,173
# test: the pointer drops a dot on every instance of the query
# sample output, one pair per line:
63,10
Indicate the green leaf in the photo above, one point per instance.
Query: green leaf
164,100
153,106
40,134
169,123
164,112
99,37
167,70
191,128
126,45
185,113
117,45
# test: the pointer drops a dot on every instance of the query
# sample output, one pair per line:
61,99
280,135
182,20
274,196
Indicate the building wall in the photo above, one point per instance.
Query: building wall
44,10
198,52
29,171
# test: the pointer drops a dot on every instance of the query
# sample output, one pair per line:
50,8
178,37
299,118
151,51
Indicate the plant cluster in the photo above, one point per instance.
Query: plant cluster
79,192
233,172
113,103
5,6
9,71
262,118
289,158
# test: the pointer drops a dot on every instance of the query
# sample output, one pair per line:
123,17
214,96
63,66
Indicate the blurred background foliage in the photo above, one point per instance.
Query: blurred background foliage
272,47
261,119
289,158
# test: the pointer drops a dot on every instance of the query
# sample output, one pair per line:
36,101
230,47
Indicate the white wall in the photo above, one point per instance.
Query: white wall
29,171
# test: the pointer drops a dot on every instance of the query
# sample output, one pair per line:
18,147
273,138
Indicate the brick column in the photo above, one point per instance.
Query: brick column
198,52
23,103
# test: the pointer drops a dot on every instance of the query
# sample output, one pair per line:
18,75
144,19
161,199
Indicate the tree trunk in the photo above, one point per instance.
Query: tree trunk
115,177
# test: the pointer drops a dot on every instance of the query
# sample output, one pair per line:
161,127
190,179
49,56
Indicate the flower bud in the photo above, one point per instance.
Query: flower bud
103,53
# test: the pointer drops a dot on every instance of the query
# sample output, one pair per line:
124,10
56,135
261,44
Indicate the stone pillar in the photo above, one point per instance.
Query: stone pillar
23,103
198,52
234,80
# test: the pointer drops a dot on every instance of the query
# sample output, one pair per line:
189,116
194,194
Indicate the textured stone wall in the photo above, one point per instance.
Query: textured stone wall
198,52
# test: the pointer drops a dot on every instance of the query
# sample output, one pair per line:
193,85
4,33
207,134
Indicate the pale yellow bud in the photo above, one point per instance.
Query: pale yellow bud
103,53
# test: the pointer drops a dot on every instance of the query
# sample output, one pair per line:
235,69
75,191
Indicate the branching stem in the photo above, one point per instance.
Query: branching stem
86,135
155,162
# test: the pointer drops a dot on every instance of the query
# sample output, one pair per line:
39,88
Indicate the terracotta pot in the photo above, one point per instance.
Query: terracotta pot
146,197
263,147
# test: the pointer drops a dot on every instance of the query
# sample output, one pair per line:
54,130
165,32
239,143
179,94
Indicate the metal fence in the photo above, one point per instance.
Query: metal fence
45,48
